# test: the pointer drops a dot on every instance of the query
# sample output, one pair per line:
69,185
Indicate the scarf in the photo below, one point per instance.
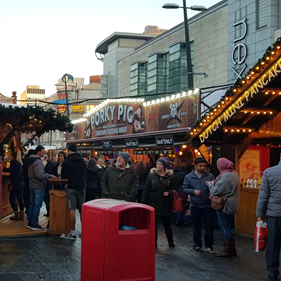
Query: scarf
224,166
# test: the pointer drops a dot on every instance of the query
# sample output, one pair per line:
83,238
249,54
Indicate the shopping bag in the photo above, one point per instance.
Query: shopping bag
260,236
177,203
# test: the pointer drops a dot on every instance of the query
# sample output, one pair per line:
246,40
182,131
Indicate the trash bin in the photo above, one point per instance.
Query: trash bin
118,241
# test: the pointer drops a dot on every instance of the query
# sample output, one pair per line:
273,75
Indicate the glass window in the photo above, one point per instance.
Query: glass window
261,13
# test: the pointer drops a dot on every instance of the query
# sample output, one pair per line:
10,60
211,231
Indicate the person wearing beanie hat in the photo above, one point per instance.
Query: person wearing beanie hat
195,185
159,194
120,181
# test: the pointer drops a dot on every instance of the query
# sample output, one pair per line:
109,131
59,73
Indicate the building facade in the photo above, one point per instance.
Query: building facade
226,41
31,95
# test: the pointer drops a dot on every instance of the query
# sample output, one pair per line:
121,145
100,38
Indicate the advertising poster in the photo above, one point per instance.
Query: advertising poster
250,164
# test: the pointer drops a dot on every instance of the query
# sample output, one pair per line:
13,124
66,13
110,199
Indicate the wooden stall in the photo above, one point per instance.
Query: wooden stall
6,206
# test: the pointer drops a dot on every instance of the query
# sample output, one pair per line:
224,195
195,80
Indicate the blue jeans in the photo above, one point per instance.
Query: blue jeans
225,222
206,214
36,200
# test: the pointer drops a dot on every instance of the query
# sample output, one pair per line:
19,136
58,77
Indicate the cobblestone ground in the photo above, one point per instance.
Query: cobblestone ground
53,258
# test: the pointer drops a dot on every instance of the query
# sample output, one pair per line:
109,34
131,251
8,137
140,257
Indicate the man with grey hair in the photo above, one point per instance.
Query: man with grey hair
101,166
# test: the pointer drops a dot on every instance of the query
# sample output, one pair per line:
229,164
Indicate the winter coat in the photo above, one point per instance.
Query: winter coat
193,182
153,194
36,172
269,201
228,186
49,168
74,170
179,175
16,171
93,179
120,184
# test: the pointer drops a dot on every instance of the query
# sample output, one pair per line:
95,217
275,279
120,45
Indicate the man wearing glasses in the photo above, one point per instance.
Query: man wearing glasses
195,185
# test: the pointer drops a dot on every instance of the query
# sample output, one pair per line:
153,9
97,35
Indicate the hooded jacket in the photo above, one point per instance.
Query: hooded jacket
120,184
192,182
93,178
74,169
36,172
153,194
16,171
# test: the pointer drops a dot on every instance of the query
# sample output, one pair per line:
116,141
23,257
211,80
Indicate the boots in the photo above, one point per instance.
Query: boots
16,217
229,250
22,216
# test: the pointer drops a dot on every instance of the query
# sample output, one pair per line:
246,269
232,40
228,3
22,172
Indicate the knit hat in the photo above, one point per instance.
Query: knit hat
125,156
165,162
200,160
73,148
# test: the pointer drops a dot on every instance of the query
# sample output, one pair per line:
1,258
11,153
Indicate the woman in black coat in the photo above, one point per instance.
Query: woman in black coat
57,169
143,174
93,184
158,193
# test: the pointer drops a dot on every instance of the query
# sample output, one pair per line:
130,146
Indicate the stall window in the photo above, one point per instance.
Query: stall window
261,13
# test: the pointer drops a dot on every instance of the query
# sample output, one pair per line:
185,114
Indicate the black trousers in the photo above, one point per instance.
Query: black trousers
167,226
273,246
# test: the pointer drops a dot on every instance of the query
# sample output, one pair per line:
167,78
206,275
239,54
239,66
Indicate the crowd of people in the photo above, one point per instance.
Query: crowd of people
123,179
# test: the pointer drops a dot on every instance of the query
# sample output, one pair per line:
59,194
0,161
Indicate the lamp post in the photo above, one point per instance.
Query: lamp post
187,43
65,78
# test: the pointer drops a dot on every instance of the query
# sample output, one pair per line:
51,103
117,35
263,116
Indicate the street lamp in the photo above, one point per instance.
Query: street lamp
187,43
65,78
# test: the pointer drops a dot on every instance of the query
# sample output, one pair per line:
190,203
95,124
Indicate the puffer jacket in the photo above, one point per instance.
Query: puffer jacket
193,182
269,201
120,184
153,194
228,186
36,172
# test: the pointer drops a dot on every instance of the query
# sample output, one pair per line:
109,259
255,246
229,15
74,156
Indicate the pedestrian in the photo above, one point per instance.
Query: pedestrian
93,181
101,166
195,185
37,184
179,175
143,174
17,182
159,194
49,169
74,169
269,207
57,169
26,192
227,185
120,181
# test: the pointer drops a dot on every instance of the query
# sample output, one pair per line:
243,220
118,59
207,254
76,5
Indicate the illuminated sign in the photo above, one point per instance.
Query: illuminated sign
164,141
132,143
61,108
78,108
243,99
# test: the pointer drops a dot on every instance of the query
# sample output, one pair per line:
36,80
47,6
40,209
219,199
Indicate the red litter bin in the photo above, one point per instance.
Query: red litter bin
118,241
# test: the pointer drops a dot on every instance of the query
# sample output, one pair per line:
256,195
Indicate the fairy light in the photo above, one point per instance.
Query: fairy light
184,146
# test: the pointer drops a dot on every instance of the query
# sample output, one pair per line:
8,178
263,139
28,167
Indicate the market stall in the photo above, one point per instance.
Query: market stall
244,126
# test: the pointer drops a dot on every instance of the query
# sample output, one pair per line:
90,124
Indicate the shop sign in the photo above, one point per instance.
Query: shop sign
164,141
138,152
256,87
78,108
106,144
239,52
132,143
61,108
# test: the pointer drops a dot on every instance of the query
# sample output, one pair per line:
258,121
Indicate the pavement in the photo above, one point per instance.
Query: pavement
54,258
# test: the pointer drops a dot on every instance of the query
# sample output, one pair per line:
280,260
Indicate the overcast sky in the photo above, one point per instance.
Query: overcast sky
42,40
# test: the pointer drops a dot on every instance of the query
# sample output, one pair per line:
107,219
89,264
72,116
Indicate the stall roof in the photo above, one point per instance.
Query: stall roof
246,106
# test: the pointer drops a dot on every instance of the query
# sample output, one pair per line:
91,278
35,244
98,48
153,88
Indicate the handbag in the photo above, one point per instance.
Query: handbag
177,203
217,202
260,236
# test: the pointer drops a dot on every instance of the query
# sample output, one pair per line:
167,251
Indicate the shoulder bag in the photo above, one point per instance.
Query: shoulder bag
177,203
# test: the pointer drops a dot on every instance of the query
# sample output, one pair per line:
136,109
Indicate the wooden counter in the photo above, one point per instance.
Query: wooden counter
6,206
246,218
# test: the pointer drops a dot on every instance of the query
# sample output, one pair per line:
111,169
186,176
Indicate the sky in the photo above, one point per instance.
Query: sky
43,40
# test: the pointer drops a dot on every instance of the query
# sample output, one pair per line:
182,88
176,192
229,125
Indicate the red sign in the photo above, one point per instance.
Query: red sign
61,108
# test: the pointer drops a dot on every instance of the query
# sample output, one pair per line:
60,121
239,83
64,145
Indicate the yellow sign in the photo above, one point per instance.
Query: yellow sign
78,108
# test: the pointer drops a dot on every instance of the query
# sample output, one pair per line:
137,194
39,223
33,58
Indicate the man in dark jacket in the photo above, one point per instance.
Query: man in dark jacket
120,182
37,182
195,185
269,205
73,169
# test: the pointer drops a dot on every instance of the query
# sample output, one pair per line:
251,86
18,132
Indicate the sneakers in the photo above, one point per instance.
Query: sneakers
69,236
196,248
210,250
37,227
